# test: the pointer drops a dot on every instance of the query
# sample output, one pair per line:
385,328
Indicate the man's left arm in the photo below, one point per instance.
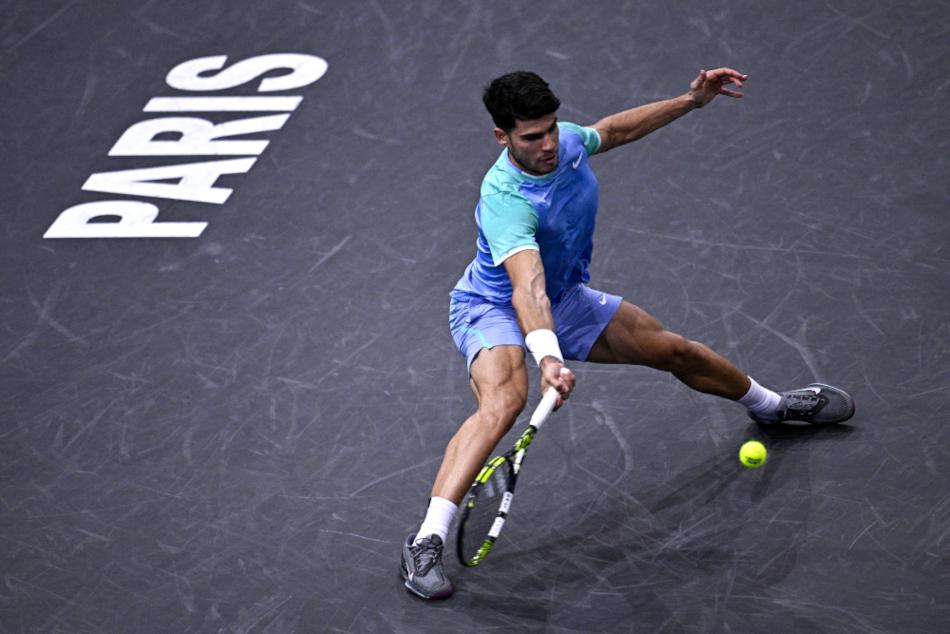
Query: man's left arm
630,125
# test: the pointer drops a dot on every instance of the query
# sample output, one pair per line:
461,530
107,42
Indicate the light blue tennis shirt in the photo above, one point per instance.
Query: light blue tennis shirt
553,214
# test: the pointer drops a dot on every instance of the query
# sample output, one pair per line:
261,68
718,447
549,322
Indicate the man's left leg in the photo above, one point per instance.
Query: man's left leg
636,337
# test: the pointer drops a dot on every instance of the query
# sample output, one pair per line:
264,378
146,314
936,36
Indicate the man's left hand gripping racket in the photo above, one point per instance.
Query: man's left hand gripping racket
487,503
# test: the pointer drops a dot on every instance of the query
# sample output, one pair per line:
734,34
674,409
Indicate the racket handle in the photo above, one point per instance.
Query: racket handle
546,406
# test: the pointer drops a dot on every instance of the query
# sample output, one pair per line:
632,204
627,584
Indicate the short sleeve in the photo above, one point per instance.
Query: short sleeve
509,224
589,136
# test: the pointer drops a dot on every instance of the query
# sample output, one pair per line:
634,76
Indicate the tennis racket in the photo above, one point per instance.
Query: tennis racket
488,501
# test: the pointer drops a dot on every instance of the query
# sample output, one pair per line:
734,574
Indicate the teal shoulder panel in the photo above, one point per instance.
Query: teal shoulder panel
589,136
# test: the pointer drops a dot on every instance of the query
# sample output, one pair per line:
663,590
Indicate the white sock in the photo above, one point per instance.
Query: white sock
440,514
760,400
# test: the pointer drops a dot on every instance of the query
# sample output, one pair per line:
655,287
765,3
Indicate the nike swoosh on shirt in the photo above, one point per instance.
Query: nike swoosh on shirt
603,299
577,163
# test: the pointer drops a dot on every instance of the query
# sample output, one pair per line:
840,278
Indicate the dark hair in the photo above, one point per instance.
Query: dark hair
519,95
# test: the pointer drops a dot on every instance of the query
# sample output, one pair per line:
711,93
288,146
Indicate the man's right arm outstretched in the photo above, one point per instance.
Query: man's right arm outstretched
533,309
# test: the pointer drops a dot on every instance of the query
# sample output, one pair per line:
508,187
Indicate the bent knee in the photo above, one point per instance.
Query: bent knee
499,411
679,353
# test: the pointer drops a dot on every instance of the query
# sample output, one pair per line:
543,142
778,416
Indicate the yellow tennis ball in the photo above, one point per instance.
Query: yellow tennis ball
753,454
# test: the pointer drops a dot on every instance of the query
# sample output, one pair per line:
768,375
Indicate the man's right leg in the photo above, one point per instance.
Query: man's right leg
500,383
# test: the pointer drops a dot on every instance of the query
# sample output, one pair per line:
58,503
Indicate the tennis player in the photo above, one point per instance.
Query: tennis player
527,289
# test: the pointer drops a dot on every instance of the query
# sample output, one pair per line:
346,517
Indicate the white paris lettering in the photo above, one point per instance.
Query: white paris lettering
192,136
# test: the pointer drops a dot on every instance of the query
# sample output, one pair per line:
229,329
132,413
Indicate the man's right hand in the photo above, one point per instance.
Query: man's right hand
554,374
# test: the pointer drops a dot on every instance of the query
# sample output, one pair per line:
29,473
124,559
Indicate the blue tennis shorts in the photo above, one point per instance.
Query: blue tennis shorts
580,316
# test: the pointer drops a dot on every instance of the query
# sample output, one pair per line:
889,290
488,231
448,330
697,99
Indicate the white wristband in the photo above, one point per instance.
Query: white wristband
543,343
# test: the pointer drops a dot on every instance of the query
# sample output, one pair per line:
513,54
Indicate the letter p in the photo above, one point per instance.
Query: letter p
135,220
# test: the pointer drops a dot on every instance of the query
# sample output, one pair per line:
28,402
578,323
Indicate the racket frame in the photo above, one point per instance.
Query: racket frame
511,460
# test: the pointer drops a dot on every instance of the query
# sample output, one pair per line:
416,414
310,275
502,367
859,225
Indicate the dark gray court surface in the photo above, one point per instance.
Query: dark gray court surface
234,433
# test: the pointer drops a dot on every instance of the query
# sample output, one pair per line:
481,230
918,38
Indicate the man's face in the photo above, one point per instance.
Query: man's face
532,144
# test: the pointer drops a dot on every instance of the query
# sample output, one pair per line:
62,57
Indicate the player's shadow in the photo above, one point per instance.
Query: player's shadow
784,442
704,519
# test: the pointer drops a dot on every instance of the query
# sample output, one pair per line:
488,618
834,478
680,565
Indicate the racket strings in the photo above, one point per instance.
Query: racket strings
483,509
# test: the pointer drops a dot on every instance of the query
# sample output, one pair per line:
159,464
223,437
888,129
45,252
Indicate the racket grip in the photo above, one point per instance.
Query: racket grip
546,406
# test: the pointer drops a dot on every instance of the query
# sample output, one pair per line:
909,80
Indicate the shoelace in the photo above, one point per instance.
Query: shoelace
800,401
425,554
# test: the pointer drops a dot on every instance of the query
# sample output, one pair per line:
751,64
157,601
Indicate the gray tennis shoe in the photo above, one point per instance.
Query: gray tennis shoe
422,568
818,404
